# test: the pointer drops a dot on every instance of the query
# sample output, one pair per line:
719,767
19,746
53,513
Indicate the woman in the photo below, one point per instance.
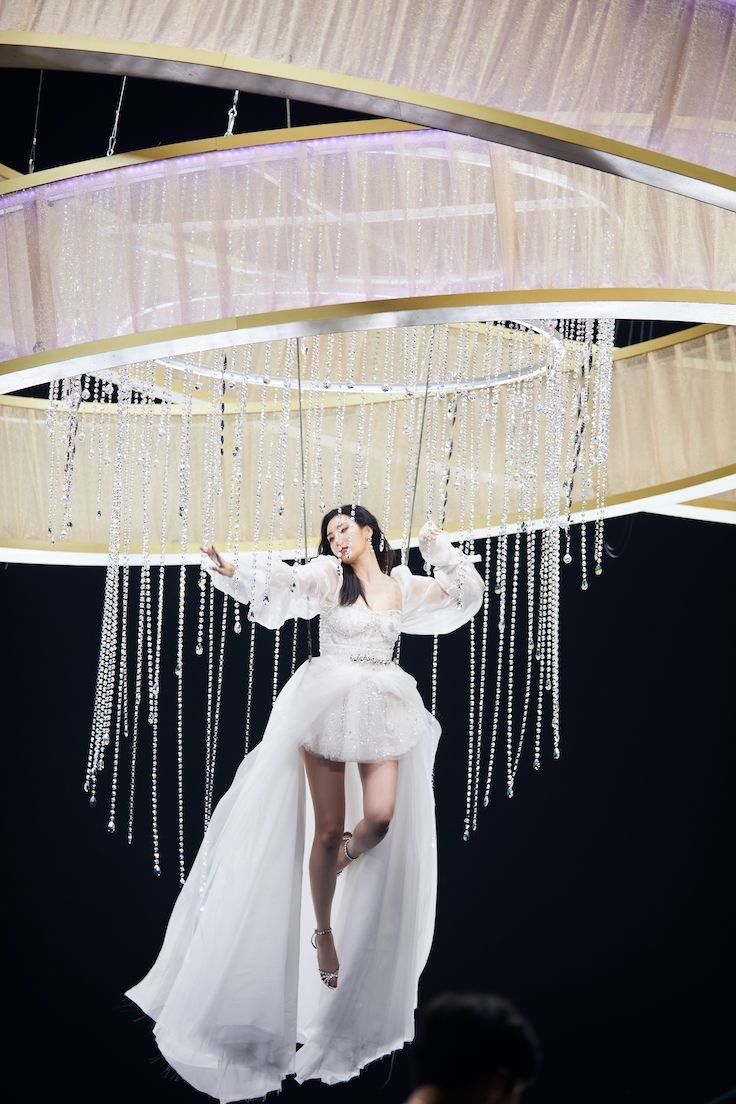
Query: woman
231,991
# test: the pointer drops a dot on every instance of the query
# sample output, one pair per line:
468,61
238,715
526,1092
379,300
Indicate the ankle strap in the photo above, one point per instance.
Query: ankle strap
322,931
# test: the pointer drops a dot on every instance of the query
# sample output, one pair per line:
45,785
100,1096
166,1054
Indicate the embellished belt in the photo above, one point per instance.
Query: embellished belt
360,657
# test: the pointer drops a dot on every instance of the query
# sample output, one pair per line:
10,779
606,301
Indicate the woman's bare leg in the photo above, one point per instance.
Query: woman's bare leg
379,799
327,784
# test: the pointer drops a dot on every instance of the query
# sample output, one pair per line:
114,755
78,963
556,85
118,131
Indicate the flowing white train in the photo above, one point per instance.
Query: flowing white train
235,986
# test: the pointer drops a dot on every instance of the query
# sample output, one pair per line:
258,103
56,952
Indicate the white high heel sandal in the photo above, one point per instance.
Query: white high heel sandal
326,975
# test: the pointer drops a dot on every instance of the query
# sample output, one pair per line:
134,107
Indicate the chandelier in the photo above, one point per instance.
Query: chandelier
228,357
488,427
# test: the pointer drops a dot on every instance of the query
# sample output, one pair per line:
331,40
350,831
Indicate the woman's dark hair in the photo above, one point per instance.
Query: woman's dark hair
463,1039
352,588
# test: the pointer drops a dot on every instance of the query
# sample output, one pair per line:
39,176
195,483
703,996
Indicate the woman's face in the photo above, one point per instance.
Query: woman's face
344,531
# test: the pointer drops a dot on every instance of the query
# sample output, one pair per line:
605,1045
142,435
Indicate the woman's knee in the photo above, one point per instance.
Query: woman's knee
329,835
379,821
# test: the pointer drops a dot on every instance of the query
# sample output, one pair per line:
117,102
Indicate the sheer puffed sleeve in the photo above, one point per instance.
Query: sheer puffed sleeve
447,601
315,585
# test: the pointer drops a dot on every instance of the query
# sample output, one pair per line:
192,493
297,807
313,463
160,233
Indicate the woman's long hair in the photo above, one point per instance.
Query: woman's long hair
352,588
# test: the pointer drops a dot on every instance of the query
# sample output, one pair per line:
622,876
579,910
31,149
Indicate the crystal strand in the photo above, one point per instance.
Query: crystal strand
184,485
251,679
144,604
513,400
371,339
71,415
461,468
500,587
584,482
259,485
218,699
278,505
337,484
532,453
105,690
433,465
52,420
124,396
103,422
527,467
493,350
209,729
312,448
578,433
237,482
148,454
216,455
471,461
208,512
602,419
554,553
255,542
390,447
315,420
555,635
487,418
154,690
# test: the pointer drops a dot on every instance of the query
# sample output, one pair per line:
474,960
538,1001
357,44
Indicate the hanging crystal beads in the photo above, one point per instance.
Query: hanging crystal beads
502,426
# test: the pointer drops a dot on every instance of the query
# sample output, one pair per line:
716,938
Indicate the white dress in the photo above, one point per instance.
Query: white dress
235,985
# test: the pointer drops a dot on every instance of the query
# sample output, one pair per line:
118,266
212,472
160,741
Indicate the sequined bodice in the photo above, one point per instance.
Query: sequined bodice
357,630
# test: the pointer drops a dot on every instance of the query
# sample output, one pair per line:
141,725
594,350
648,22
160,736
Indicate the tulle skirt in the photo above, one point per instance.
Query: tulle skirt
235,985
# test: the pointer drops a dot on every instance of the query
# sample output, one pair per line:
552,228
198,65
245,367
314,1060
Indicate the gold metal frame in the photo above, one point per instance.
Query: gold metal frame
106,354
19,182
625,352
32,49
664,498
693,497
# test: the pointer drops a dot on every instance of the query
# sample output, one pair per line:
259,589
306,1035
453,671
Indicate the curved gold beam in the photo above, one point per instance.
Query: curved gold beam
18,182
108,354
156,61
6,173
625,352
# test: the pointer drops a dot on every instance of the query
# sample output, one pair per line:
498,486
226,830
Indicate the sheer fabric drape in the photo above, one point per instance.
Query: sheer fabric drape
656,74
310,223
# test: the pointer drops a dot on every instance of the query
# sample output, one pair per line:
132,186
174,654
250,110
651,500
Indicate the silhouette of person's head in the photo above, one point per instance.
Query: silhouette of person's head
472,1048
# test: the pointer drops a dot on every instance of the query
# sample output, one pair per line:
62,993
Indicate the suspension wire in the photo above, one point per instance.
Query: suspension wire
301,441
32,155
232,114
304,479
114,134
421,435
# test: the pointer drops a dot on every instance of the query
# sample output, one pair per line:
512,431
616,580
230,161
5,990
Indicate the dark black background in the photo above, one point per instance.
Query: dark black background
598,898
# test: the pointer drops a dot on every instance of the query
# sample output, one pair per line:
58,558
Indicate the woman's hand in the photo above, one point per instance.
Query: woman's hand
428,535
429,531
436,547
220,565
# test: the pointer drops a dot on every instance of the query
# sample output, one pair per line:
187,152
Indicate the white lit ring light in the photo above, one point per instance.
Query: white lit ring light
551,353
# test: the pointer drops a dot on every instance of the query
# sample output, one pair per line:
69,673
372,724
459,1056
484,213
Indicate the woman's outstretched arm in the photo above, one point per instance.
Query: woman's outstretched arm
450,599
275,590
